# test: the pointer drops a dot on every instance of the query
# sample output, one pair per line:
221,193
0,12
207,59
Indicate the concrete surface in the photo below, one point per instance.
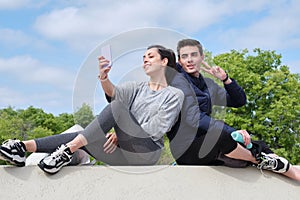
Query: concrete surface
155,182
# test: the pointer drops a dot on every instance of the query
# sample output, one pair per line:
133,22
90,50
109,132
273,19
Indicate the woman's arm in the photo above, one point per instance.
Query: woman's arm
166,116
108,87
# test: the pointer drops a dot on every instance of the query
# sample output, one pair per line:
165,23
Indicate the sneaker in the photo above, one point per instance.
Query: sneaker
13,151
276,164
59,158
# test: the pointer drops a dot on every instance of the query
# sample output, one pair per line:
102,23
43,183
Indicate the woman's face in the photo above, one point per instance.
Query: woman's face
153,62
190,59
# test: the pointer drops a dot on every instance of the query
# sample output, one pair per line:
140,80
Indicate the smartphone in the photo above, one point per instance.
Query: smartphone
106,52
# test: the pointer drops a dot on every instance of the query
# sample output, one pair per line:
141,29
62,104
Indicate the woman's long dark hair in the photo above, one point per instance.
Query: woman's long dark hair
170,71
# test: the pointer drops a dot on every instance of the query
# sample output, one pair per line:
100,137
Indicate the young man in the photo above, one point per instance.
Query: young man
202,140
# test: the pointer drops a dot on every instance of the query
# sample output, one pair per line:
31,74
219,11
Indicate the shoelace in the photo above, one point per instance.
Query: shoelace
58,152
268,161
9,142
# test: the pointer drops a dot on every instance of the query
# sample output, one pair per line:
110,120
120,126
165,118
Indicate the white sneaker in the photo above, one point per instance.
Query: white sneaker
13,151
55,161
276,164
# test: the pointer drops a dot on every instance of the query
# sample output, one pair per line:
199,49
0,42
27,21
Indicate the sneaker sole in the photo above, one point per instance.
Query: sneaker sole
42,165
4,157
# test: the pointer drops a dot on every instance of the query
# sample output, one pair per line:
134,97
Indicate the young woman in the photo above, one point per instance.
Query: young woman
140,113
204,140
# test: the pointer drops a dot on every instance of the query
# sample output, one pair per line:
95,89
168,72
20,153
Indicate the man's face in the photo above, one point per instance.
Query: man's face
190,59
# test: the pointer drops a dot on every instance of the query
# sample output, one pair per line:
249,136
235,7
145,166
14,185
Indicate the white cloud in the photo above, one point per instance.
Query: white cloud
293,65
278,28
194,16
30,82
53,102
59,24
30,70
84,26
13,4
10,97
16,39
17,4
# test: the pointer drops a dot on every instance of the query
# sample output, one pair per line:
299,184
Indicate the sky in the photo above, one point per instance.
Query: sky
45,44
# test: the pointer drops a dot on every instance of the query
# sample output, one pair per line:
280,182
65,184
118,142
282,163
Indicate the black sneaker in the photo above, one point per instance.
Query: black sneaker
54,162
13,151
276,164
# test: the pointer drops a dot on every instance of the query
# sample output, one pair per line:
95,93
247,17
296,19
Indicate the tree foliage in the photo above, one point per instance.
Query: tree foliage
84,115
31,123
272,112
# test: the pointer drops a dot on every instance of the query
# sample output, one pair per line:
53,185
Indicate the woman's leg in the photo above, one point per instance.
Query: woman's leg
50,143
14,151
133,142
135,146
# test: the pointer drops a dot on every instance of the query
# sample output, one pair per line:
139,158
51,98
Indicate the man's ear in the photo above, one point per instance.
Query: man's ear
179,61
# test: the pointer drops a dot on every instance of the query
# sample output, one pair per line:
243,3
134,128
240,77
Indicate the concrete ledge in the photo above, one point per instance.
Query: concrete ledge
155,182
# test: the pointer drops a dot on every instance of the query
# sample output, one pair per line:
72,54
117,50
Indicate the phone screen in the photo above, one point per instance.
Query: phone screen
106,53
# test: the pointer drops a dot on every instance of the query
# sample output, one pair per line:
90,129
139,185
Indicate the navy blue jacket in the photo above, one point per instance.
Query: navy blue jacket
208,93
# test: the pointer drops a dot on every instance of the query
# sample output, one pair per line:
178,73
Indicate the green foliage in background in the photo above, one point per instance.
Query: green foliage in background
31,123
84,115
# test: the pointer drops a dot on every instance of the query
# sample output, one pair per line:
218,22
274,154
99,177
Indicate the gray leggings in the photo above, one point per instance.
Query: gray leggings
135,147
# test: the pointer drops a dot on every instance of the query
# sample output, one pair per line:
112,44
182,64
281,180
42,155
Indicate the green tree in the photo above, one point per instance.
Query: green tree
272,112
38,132
64,121
29,123
84,115
10,126
36,117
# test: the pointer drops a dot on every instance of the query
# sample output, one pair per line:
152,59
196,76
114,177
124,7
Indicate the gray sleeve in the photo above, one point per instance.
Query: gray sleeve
166,116
125,92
